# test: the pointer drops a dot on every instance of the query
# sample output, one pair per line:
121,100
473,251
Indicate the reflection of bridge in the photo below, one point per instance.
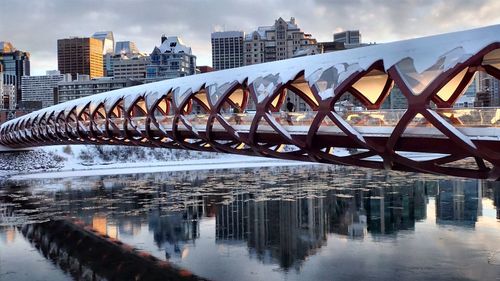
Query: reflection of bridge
86,252
191,112
90,256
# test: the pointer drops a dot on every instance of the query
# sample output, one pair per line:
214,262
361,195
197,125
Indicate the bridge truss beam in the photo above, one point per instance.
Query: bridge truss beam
169,113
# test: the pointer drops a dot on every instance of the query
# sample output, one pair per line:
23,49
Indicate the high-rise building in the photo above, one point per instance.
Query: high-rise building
170,60
108,49
7,93
348,37
280,41
126,47
83,86
16,64
276,42
395,100
8,97
227,49
328,47
80,56
131,67
468,98
107,64
40,90
131,63
487,90
108,41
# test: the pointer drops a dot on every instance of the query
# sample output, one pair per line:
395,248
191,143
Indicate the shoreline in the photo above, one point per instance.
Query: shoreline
221,163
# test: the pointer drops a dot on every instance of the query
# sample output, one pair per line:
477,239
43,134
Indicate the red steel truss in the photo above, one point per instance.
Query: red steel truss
199,119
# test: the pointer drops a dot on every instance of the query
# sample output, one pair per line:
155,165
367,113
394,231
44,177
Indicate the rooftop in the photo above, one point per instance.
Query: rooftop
174,44
6,47
227,34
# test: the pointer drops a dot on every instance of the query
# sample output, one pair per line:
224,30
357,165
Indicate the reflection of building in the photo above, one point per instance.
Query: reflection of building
176,228
130,226
496,198
101,224
8,234
284,229
421,191
345,214
232,221
288,230
395,208
458,202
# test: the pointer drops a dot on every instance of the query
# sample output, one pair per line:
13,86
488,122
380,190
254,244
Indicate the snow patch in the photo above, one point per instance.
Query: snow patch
424,52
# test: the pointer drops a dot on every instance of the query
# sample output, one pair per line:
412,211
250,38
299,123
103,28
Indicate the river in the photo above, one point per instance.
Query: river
312,222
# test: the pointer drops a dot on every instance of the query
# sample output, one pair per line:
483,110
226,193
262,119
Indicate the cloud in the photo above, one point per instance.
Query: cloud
37,28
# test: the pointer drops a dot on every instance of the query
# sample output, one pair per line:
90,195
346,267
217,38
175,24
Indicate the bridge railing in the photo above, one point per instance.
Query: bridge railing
472,117
294,121
459,117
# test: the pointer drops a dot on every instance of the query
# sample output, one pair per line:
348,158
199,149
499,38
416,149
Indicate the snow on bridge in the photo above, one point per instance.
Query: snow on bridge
194,112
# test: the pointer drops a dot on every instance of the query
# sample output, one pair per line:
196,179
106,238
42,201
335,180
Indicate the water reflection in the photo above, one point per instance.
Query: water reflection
175,229
291,229
459,203
189,218
86,255
286,230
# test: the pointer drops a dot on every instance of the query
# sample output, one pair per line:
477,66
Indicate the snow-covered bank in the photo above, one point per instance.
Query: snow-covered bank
37,160
231,162
89,160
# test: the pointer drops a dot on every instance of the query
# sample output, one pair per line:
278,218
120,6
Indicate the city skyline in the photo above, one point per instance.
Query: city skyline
143,23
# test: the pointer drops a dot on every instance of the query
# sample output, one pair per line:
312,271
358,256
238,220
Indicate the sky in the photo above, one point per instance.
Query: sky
35,25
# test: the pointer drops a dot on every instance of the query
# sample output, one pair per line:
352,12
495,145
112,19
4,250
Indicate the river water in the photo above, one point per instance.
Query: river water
310,222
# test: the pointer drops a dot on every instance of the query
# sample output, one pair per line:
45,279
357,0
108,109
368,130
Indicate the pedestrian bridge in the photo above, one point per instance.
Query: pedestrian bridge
339,119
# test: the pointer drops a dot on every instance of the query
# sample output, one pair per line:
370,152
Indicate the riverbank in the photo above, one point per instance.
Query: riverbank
229,162
80,161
